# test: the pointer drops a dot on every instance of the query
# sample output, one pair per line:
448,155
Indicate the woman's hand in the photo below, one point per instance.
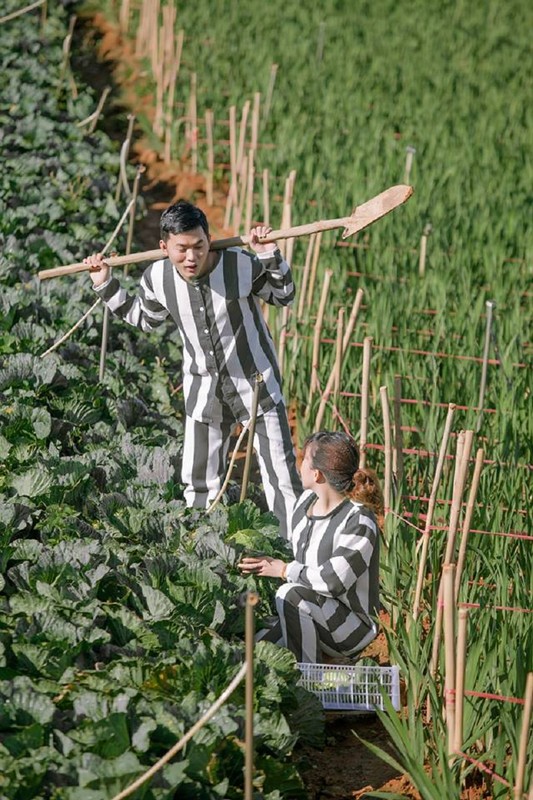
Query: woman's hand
100,272
264,566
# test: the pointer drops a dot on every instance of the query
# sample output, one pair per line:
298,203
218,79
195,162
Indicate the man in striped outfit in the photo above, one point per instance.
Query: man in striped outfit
214,300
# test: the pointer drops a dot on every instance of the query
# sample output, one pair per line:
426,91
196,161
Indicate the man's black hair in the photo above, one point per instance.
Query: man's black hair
180,218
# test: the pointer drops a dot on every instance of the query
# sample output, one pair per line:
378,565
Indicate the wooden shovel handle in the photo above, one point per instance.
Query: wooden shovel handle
364,215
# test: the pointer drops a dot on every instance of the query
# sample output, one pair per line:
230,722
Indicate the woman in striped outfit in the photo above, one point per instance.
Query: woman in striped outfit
329,599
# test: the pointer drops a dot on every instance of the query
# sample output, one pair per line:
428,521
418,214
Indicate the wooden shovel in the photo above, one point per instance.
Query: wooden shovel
364,215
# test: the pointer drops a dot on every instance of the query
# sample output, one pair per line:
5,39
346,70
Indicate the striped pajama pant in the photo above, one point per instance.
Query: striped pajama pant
205,451
308,628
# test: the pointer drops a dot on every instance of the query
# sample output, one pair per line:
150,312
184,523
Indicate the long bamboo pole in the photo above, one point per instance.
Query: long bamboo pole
490,305
338,358
266,198
524,736
460,669
431,509
313,387
251,601
270,92
251,433
468,520
464,445
365,392
250,190
346,341
397,461
387,483
305,276
314,265
449,652
209,118
231,200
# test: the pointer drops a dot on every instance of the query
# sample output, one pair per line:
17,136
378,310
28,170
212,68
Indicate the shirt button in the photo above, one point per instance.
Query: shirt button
206,330
201,308
197,288
211,353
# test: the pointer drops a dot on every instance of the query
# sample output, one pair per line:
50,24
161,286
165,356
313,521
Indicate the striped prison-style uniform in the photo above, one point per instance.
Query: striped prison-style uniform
330,600
226,344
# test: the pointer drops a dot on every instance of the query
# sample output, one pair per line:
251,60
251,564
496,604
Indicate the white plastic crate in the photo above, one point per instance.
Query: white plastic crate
351,688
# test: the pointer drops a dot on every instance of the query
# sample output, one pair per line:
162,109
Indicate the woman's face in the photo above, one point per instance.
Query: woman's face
307,471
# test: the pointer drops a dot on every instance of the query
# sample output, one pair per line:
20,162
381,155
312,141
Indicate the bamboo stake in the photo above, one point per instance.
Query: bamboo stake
365,385
242,196
270,91
459,446
387,484
251,433
409,154
231,200
242,135
171,94
266,198
194,125
93,118
124,16
198,725
159,74
423,250
251,600
457,498
103,343
490,305
460,670
285,316
313,387
397,455
431,509
356,307
255,120
338,358
346,341
106,316
468,520
209,116
21,11
524,736
314,266
449,652
250,190
233,458
286,213
124,153
464,446
65,64
133,210
305,276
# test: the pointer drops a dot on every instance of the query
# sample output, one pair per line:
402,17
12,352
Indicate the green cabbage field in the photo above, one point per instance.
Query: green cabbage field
121,611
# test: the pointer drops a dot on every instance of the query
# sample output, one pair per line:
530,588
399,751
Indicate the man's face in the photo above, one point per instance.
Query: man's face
188,252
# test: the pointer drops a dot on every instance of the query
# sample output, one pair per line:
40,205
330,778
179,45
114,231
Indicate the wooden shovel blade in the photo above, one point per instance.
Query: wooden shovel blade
377,207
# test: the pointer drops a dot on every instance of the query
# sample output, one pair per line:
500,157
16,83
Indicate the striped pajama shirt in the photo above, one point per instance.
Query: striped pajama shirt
330,600
226,344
